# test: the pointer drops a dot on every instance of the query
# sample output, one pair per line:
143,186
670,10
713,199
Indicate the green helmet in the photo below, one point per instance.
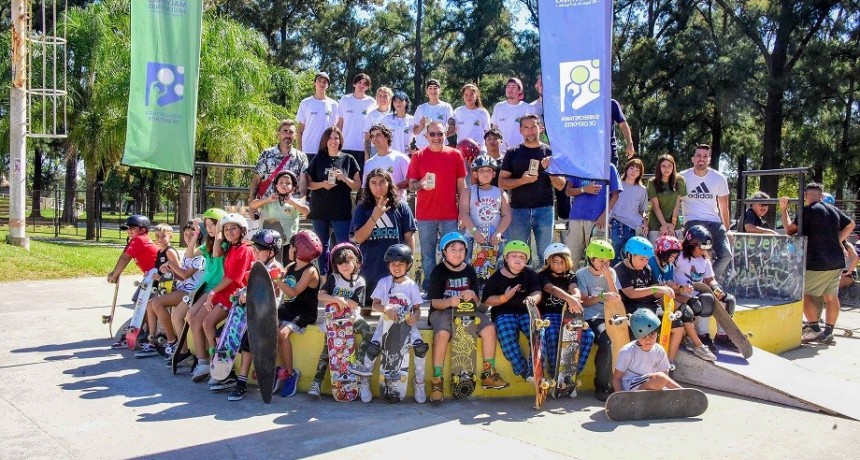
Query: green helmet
517,246
601,249
215,214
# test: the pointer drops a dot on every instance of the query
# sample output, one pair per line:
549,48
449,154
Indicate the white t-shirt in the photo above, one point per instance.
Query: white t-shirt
401,131
471,123
441,112
631,205
373,118
190,284
316,115
506,117
354,111
406,294
693,270
700,203
394,162
636,362
593,285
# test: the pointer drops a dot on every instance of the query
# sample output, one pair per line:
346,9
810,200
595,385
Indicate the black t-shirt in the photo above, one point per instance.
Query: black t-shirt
446,283
821,225
750,217
628,277
498,282
334,204
537,194
550,303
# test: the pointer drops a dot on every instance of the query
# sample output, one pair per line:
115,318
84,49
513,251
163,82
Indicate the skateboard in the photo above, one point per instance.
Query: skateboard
183,336
394,369
485,259
536,333
617,326
108,319
723,319
464,350
144,291
262,327
229,342
341,347
569,348
625,406
669,315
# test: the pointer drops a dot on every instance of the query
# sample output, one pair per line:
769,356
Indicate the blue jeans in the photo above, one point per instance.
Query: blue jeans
619,233
524,221
341,234
722,250
429,233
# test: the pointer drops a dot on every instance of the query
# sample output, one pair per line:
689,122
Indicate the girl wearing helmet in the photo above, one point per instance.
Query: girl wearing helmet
281,210
627,216
506,293
485,212
559,285
642,365
452,282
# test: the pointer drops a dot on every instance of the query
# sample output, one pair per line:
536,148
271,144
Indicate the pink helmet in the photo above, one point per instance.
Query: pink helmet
665,245
469,148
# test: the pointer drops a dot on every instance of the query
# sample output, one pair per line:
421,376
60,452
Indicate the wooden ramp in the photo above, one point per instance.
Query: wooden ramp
769,377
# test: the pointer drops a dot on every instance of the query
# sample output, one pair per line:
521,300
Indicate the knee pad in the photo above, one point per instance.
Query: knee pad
373,350
420,348
695,305
707,302
687,314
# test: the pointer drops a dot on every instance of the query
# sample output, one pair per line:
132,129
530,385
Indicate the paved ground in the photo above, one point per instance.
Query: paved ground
66,394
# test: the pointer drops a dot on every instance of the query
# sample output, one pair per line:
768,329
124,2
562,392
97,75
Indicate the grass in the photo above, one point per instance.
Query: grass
56,260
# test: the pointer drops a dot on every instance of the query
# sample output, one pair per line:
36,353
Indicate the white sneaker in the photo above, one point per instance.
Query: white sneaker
530,379
212,380
200,372
364,390
146,350
572,393
315,389
705,353
420,393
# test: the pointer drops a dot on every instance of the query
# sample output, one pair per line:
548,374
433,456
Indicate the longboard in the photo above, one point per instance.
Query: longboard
183,336
108,319
625,406
394,369
145,290
464,350
341,347
728,324
262,327
569,348
536,333
616,326
229,342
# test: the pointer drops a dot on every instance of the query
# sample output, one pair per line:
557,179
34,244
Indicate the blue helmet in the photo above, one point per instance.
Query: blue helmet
451,238
643,322
829,199
639,246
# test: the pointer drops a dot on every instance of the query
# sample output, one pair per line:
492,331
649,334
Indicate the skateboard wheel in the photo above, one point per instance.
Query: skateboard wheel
849,333
544,385
477,321
458,321
328,315
579,383
106,319
136,283
455,379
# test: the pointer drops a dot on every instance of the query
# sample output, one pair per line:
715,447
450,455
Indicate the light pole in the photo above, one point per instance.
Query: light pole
17,127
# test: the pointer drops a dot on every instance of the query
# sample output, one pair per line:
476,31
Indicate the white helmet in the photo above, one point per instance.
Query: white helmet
233,218
555,248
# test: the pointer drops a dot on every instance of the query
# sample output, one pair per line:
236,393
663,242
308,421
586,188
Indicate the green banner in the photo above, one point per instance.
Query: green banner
162,101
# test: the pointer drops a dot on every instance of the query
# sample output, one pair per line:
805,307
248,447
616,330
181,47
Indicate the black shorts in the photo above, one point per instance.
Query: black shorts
301,317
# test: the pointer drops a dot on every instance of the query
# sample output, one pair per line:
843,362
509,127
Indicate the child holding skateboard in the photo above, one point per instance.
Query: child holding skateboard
506,293
140,249
345,288
485,212
281,207
166,254
559,284
451,282
598,286
300,285
266,245
693,266
397,289
642,364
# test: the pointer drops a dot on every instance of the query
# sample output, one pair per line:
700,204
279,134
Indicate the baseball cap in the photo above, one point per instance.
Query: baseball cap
323,75
516,81
432,82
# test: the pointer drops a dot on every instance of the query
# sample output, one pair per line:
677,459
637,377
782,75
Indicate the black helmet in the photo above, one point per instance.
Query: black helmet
398,253
285,172
698,236
136,220
268,239
485,161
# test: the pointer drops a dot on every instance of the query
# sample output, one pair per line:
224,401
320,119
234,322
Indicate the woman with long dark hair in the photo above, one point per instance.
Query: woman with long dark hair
665,191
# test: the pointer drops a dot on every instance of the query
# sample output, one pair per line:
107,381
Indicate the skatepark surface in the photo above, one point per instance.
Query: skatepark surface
66,394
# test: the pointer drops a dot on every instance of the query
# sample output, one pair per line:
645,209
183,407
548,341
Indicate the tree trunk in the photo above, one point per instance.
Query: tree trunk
771,157
35,201
186,205
69,197
91,177
843,142
152,196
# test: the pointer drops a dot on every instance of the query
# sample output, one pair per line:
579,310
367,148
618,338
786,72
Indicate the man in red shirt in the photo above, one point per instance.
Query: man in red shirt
437,173
139,248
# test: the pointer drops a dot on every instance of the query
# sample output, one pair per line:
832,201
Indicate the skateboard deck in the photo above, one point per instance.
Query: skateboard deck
625,406
569,348
229,342
485,258
536,333
183,336
263,327
617,326
666,322
728,324
341,348
137,317
108,319
464,350
394,369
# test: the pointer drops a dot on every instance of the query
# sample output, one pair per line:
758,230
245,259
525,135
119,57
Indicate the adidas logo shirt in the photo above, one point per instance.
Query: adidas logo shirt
700,203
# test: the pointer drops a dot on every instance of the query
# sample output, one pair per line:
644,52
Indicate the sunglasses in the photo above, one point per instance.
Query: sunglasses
434,134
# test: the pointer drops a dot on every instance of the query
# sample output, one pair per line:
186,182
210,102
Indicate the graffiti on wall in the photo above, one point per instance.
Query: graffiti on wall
766,267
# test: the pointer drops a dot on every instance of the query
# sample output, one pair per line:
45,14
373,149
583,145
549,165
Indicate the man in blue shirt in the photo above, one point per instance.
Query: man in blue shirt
588,209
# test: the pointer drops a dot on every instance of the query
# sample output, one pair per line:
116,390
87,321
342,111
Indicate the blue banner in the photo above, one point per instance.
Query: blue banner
575,47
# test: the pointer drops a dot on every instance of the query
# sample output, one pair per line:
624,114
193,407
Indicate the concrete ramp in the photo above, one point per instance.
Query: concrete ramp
769,377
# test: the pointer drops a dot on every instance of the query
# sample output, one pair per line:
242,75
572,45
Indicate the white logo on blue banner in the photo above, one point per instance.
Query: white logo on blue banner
580,83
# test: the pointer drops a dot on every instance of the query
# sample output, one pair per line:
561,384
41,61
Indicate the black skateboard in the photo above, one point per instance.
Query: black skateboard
263,327
625,406
183,336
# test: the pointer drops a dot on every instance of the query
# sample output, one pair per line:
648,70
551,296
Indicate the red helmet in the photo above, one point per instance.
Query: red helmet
307,244
469,148
665,245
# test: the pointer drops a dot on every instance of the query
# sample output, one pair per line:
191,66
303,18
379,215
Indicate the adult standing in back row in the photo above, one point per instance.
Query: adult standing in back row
315,114
508,113
434,110
352,111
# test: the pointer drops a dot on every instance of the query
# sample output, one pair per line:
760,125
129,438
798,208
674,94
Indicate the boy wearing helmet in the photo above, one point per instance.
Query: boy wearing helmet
597,283
506,293
451,282
485,212
642,365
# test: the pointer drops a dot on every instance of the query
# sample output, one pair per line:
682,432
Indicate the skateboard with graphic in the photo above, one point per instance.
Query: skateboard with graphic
108,319
625,406
669,315
536,334
183,336
341,348
144,292
464,349
617,326
569,348
728,324
262,327
394,367
485,259
229,341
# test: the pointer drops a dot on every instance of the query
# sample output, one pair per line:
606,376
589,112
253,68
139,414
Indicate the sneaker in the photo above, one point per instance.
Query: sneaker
672,366
602,394
238,392
702,352
688,344
212,381
200,372
824,337
289,387
436,389
366,312
279,379
364,390
225,384
169,349
706,340
420,393
186,359
146,351
360,369
120,344
493,381
725,342
530,379
315,388
809,335
572,393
